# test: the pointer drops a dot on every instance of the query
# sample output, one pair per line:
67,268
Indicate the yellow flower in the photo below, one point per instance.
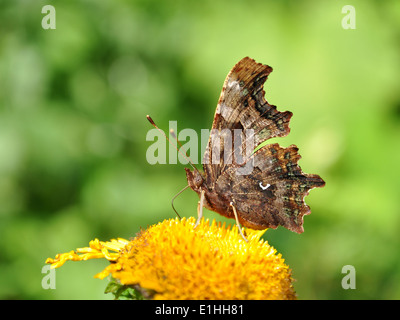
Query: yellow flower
172,260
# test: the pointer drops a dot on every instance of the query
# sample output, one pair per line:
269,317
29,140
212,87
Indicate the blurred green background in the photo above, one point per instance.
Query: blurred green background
73,130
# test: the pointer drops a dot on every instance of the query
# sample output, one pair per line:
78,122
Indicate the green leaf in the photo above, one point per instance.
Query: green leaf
122,292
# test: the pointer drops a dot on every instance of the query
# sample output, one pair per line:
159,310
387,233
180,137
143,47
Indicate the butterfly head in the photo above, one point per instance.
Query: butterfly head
195,179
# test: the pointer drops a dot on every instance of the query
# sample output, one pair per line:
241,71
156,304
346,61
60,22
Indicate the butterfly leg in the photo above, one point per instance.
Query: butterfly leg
199,209
237,221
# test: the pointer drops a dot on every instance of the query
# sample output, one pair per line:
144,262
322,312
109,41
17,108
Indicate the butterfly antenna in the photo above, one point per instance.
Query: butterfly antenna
172,202
173,134
183,154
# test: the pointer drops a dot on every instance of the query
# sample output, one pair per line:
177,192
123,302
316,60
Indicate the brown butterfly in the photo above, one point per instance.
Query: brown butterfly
265,188
272,194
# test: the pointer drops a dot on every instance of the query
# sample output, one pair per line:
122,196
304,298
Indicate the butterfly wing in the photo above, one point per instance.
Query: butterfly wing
242,106
273,193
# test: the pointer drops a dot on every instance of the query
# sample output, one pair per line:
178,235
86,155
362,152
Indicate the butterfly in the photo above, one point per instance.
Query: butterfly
266,188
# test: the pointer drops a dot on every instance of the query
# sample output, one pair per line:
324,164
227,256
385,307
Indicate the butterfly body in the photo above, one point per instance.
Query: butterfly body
266,187
213,200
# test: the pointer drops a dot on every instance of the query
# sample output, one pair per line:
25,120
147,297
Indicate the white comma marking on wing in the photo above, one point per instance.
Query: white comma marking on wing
264,187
